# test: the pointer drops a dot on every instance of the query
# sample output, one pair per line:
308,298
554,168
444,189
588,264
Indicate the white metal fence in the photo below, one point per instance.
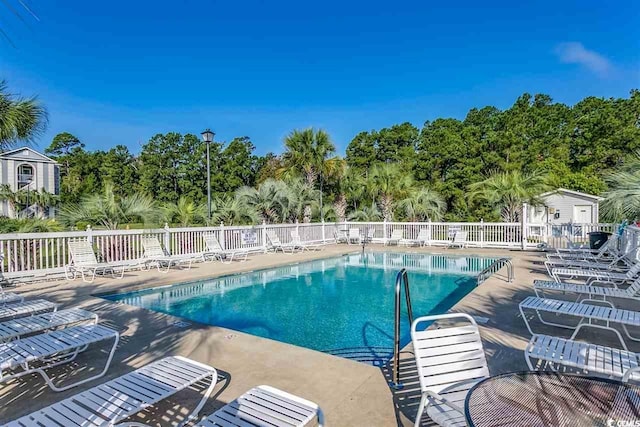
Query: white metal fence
27,254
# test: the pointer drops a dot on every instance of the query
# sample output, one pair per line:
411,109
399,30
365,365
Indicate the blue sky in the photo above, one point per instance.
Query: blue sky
119,72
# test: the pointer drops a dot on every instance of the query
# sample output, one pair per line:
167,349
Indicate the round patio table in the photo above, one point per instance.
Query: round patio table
551,399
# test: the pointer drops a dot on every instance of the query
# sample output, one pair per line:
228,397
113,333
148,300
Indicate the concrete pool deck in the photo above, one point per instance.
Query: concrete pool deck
350,393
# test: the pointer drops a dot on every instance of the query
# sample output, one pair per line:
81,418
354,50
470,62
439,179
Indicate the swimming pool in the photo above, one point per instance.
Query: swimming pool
341,305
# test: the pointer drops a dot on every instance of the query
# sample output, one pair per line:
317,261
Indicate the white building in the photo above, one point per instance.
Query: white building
564,206
24,169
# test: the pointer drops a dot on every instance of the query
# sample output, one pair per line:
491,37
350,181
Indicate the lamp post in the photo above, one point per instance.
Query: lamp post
207,137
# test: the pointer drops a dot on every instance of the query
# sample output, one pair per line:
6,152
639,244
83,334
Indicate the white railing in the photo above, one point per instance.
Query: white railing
29,254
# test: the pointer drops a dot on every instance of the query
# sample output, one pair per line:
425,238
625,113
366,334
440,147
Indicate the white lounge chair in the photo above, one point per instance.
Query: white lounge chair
116,400
354,236
36,354
450,361
83,260
9,297
16,328
547,351
154,254
585,314
396,236
297,242
607,250
596,275
620,262
215,249
26,308
340,236
276,245
590,291
459,240
423,237
266,406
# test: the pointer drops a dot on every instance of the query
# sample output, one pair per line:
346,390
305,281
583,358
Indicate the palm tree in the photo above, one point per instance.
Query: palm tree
507,191
10,196
21,119
366,214
422,205
622,200
388,183
232,211
270,200
185,212
310,154
44,200
301,198
109,211
354,187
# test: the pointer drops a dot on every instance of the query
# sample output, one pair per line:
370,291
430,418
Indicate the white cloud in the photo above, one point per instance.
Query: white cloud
576,53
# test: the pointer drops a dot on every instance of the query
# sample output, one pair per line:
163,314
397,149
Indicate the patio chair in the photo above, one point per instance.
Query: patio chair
9,297
16,328
450,361
354,236
116,400
459,240
396,236
596,275
215,249
297,242
620,262
26,308
276,245
154,254
544,351
83,260
607,250
36,354
591,292
340,236
586,314
266,406
423,237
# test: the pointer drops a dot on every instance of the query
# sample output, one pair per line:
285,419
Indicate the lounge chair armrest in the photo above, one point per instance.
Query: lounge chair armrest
436,396
627,374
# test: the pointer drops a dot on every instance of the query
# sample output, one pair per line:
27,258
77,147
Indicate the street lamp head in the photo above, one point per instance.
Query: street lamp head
207,136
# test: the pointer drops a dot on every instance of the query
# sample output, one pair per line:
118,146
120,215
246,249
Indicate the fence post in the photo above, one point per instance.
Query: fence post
523,233
223,242
298,229
89,234
384,231
264,235
167,238
482,232
323,235
429,232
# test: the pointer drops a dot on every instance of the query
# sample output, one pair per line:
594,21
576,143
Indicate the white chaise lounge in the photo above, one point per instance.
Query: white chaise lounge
116,400
16,328
596,275
215,249
297,242
36,354
583,316
450,361
26,308
592,292
396,237
276,245
544,351
9,297
83,260
459,240
154,254
266,406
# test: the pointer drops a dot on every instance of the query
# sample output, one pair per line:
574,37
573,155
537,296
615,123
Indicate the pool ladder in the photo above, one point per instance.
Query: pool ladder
402,280
494,267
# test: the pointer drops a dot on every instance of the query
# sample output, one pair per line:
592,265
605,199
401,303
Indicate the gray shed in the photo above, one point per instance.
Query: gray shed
564,206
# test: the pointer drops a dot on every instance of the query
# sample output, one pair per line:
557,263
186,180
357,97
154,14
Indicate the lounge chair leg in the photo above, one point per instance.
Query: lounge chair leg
86,380
194,414
423,403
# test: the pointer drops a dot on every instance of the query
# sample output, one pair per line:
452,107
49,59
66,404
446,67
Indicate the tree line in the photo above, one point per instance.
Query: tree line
482,166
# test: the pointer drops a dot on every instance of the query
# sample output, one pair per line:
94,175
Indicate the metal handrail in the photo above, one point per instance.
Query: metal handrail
401,279
494,267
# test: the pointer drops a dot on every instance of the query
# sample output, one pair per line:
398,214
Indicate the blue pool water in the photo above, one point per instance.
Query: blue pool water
341,305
